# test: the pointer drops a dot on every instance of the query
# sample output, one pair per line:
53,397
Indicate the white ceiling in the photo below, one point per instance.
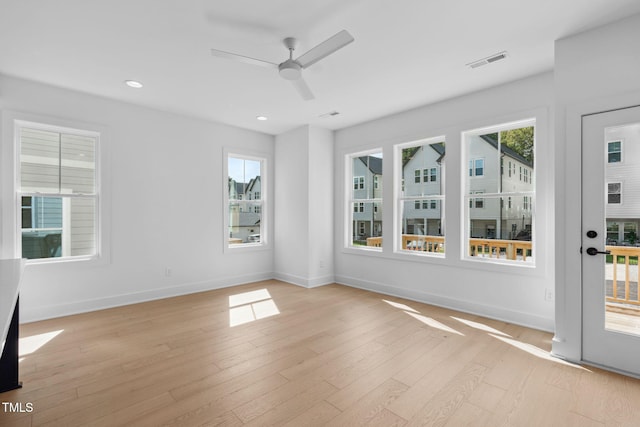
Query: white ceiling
406,52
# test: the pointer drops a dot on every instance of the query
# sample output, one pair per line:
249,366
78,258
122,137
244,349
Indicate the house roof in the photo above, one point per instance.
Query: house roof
253,182
506,150
439,148
373,163
248,219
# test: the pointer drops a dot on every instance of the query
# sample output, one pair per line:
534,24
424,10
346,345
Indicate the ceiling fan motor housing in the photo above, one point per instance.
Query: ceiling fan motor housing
290,70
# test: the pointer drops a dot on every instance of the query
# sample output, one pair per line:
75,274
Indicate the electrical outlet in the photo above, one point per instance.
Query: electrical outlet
548,295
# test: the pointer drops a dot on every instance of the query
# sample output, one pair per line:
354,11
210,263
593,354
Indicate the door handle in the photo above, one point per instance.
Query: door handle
594,251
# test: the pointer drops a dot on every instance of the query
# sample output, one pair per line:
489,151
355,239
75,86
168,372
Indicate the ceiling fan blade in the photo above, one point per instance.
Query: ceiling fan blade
325,48
303,89
242,58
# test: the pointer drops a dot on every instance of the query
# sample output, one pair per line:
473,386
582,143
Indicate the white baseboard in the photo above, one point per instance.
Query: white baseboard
32,314
304,281
492,312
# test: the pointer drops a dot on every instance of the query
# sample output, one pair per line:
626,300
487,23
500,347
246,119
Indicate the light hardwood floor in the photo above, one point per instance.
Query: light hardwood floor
333,356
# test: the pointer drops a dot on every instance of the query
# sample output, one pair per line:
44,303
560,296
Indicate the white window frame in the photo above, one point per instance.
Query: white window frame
468,197
420,202
351,201
263,203
11,235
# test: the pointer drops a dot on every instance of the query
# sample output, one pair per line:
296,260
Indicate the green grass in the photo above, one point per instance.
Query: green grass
633,260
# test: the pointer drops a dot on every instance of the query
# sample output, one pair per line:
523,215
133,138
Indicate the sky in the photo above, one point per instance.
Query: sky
243,170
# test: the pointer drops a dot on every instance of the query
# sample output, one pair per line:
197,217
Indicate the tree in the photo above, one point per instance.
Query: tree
519,140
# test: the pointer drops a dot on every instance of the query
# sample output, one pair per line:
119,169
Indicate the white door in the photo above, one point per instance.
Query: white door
610,221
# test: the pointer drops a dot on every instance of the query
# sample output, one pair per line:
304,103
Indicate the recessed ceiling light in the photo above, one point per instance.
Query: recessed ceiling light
261,118
133,83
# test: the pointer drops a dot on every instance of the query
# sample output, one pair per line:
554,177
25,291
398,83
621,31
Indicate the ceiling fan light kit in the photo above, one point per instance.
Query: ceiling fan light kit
291,69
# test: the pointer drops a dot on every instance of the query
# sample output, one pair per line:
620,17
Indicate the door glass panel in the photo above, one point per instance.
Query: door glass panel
622,212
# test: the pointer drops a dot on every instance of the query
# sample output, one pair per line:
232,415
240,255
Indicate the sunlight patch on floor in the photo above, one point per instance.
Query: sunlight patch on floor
433,323
400,306
480,326
250,306
29,345
535,351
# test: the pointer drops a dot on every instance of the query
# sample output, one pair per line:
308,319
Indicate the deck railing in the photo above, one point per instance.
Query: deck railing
414,242
630,291
623,288
510,249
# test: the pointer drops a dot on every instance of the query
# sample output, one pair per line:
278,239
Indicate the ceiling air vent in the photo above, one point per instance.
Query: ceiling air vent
488,60
329,114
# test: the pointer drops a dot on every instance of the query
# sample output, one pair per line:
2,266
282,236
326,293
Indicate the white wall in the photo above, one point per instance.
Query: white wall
304,206
594,71
515,294
321,202
292,206
165,188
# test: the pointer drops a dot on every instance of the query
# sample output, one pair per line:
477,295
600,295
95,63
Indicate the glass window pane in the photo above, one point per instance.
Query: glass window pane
421,227
58,227
244,222
39,160
82,232
366,215
77,169
367,224
496,224
245,181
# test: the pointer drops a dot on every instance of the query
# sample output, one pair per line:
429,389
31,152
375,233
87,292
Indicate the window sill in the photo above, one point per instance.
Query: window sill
246,247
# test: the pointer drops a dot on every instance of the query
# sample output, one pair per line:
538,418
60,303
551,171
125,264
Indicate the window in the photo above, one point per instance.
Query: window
365,200
630,232
477,203
419,227
614,193
57,188
246,189
613,230
476,167
505,212
614,151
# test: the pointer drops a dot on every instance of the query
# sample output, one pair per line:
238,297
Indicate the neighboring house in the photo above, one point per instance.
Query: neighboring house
622,176
367,185
423,176
244,218
508,217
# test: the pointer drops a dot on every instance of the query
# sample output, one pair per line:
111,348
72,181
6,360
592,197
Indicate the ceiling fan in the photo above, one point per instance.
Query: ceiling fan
291,69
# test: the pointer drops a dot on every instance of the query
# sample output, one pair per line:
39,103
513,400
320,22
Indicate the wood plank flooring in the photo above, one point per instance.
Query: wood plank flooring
333,356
